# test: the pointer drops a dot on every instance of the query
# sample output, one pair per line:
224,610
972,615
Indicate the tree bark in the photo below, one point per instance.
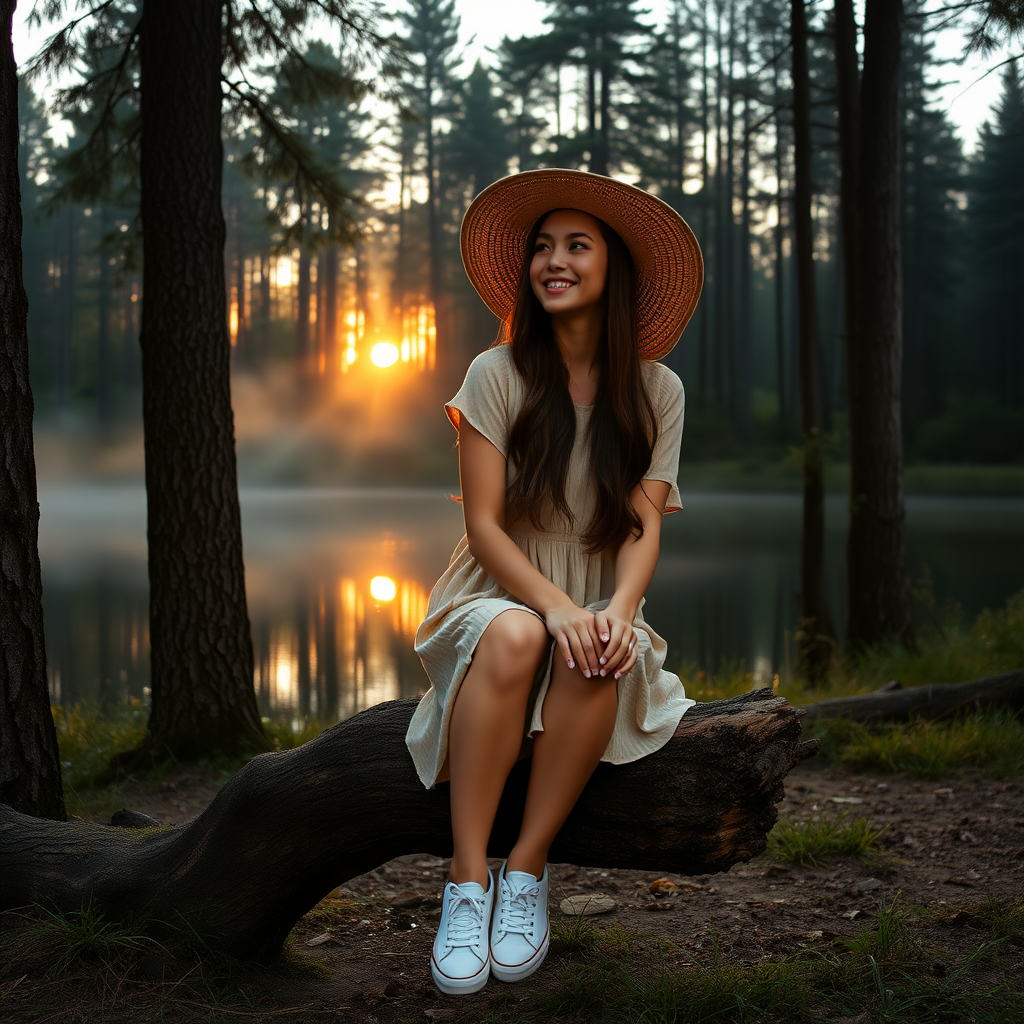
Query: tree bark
879,590
815,647
290,827
201,648
745,332
938,700
329,260
780,290
29,762
303,345
103,360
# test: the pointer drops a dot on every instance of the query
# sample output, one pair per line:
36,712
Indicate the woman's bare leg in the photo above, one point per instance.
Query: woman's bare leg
578,717
486,730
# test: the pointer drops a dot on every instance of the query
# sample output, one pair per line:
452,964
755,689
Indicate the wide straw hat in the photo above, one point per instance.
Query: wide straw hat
666,256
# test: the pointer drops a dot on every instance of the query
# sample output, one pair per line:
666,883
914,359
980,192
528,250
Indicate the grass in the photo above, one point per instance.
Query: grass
882,973
89,735
77,966
991,741
817,843
948,649
68,942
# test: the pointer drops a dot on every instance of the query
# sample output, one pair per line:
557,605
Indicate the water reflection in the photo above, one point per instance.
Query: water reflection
347,645
337,583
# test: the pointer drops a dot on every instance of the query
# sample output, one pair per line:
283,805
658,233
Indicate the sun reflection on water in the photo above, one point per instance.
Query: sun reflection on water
344,648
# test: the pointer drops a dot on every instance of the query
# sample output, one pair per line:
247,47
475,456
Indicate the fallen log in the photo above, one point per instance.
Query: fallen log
937,700
291,826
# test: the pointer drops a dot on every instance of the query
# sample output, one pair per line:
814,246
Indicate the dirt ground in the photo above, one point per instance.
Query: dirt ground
950,845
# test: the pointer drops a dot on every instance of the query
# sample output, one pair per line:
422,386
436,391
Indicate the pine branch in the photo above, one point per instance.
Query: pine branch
308,170
60,49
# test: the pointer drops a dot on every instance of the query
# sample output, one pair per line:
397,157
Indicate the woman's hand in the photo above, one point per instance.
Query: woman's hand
576,634
619,639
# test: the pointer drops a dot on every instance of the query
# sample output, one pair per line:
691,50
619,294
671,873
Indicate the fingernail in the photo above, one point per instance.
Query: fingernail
603,671
586,672
603,660
604,636
572,664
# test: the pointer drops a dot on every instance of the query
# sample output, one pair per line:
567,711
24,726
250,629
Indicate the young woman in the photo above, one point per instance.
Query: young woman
569,437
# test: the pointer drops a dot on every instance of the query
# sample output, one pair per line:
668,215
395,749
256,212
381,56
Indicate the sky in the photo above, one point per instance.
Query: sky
485,22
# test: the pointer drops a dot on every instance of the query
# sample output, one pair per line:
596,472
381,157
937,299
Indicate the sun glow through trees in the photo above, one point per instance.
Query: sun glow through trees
384,354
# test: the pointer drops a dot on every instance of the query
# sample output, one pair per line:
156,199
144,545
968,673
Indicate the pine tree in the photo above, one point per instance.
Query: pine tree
183,57
30,777
597,35
528,70
430,40
996,213
478,148
933,234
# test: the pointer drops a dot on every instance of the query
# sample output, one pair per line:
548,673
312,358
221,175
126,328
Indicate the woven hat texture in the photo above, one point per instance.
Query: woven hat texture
666,256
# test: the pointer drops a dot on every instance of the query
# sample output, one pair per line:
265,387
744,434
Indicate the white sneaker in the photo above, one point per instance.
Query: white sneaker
519,930
460,961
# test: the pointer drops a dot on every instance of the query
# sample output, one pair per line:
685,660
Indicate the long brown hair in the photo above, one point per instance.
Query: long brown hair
623,426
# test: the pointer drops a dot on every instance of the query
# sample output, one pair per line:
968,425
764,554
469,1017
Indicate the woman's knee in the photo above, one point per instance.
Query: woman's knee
511,650
573,683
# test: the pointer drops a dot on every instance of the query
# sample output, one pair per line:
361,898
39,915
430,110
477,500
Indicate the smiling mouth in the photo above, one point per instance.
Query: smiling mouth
559,286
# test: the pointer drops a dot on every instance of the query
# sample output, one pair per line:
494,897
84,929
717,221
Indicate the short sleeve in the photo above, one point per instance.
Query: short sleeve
484,397
669,401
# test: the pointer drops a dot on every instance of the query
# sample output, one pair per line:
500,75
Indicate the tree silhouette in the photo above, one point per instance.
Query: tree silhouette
29,762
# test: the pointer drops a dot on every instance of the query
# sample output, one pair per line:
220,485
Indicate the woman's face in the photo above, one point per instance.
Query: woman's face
570,262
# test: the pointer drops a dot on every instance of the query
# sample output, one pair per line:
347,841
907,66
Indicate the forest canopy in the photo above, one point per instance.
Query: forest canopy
342,222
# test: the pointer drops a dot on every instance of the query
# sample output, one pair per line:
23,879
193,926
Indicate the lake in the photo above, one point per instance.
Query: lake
337,582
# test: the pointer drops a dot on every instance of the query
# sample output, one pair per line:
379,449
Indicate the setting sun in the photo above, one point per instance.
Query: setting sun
383,588
384,354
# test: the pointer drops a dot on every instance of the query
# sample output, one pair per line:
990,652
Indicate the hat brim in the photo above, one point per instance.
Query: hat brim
667,259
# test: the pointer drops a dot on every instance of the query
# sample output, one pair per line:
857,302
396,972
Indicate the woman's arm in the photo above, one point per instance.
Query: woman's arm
482,472
634,567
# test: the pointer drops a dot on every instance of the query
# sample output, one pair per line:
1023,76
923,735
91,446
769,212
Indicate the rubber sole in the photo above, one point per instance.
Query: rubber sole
460,986
523,970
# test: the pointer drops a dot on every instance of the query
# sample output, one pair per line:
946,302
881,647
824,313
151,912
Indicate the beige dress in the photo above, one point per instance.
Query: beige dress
465,599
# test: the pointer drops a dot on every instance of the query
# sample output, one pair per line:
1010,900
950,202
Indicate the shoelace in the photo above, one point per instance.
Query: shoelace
465,918
519,908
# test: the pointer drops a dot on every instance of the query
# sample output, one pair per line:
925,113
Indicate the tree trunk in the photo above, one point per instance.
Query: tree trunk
103,361
780,289
705,316
745,333
879,591
445,362
303,348
718,229
242,331
329,259
892,703
29,763
727,229
290,827
815,647
201,648
601,160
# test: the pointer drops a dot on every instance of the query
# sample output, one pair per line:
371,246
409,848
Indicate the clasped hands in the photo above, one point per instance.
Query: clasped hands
602,643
